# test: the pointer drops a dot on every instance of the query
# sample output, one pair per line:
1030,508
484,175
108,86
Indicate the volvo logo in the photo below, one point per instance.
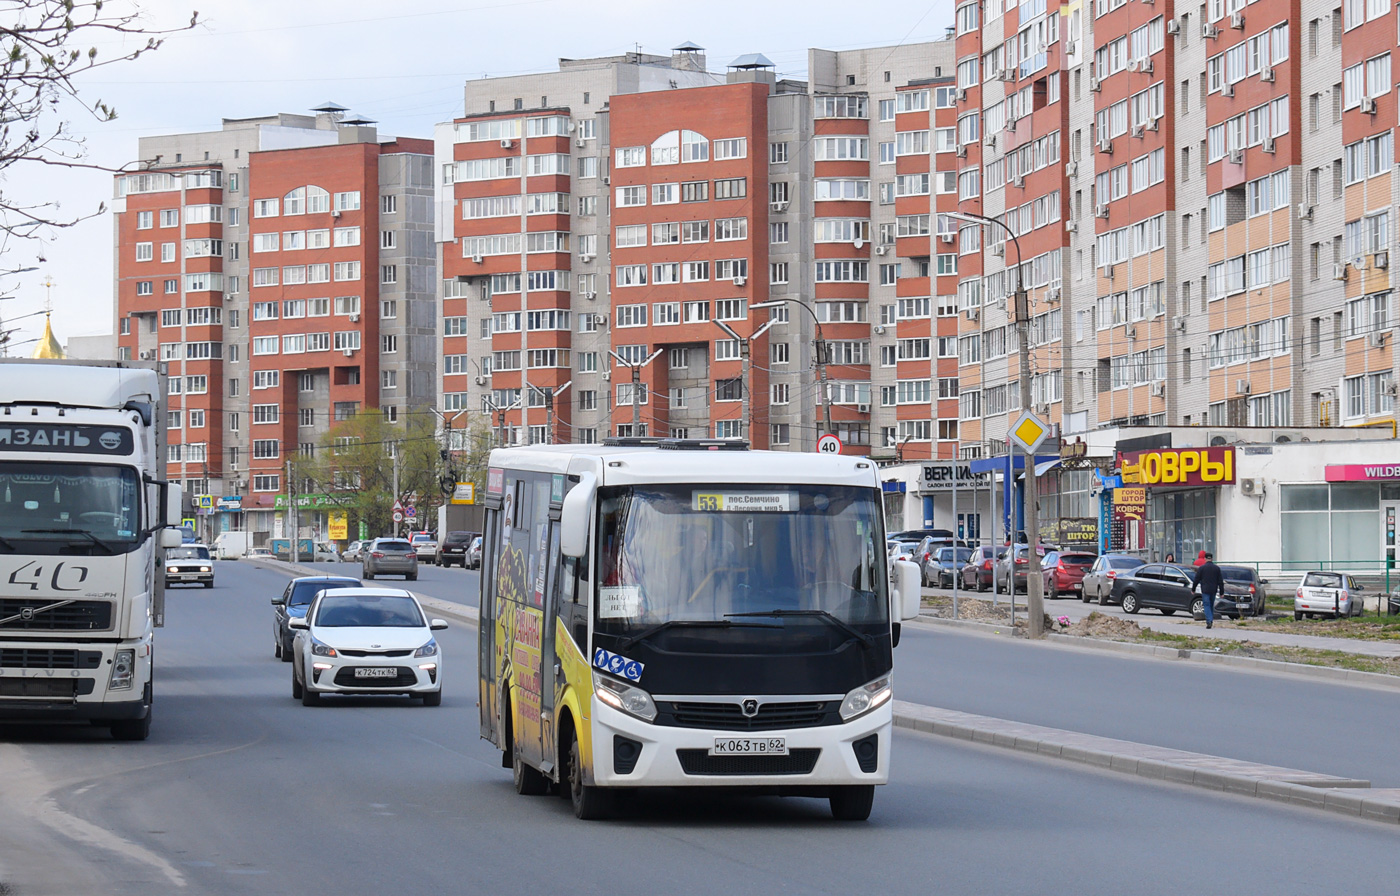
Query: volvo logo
749,708
26,613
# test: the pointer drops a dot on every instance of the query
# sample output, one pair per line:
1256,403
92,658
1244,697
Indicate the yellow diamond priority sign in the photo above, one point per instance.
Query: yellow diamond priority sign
1029,431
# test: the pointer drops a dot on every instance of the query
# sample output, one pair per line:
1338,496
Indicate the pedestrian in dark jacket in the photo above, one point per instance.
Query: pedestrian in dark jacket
1209,582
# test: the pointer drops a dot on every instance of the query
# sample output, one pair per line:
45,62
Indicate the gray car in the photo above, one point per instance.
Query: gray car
389,556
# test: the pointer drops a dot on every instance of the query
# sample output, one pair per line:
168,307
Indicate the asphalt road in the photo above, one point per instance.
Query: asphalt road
243,790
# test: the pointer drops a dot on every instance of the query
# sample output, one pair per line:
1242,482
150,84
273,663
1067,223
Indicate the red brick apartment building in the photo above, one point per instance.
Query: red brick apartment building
282,267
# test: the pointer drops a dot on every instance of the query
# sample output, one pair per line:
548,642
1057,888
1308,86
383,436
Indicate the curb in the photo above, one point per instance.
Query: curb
1153,651
1345,796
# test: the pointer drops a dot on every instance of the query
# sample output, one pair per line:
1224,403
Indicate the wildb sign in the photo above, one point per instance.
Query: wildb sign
941,477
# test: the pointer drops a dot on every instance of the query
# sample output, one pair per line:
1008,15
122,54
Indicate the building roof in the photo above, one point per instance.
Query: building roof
752,60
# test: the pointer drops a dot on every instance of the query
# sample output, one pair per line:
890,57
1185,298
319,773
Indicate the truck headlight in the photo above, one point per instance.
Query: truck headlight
621,695
123,670
866,698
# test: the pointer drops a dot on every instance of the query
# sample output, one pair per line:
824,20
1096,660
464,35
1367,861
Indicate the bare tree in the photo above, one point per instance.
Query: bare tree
46,46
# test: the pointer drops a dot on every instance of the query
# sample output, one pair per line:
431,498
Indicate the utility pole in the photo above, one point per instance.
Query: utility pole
636,385
746,359
500,416
821,355
395,488
292,522
549,393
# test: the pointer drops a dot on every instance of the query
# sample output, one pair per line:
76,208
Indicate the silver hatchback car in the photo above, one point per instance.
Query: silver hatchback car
389,556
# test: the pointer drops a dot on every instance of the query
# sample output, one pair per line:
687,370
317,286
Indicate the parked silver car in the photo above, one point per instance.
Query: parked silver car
474,553
352,552
1332,594
389,556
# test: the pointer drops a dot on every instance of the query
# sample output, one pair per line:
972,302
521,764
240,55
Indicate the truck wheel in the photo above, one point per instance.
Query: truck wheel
133,729
852,802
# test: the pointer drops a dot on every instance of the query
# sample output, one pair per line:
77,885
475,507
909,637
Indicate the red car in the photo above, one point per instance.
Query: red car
1064,572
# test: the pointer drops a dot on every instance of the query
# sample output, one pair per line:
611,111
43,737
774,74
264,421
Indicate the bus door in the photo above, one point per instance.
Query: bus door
551,677
487,664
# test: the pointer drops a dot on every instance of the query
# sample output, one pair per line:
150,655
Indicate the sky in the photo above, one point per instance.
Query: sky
404,69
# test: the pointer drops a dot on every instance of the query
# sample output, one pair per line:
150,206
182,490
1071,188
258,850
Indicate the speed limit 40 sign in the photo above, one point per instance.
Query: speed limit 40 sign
829,444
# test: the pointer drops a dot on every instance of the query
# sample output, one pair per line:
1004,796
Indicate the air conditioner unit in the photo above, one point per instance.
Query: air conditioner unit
1209,31
881,250
780,207
1237,21
1106,146
507,143
946,237
992,141
962,150
600,319
1227,90
1011,125
1304,212
1009,74
1368,105
148,355
1376,340
1359,262
962,96
1052,295
478,259
1071,48
740,280
1242,387
1094,84
481,380
580,143
1018,181
1339,271
1251,486
607,375
1071,227
1266,73
1159,388
1268,145
1382,259
1072,169
1130,331
349,353
974,313
1139,131
862,409
1108,271
1236,157
1145,66
607,179
998,74
999,250
1155,124
590,296
1180,323
1101,211
879,329
355,318
335,213
1173,26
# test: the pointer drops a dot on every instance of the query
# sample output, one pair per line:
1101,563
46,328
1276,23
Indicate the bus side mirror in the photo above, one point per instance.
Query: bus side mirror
171,538
908,590
575,515
174,504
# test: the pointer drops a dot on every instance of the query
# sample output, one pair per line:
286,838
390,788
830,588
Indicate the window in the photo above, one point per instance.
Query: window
731,188
777,153
145,251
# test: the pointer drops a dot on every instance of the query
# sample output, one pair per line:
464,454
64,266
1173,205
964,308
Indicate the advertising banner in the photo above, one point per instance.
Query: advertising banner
1179,466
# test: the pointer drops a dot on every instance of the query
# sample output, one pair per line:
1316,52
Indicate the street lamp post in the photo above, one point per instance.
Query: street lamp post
1035,598
746,354
549,392
636,386
821,354
500,417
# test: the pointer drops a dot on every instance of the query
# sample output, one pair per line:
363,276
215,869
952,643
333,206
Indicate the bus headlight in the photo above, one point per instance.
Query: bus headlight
866,697
123,670
621,695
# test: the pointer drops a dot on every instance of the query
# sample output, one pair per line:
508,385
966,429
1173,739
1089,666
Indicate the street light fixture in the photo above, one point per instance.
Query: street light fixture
636,385
1035,598
821,354
746,356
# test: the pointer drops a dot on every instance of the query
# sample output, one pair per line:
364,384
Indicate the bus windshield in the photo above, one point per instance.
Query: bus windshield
741,555
56,508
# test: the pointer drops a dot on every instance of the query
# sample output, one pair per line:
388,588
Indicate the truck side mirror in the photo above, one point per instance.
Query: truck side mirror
908,594
171,538
174,504
576,514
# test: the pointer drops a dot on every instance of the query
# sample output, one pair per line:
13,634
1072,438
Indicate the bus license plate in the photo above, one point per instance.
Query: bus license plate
376,672
750,746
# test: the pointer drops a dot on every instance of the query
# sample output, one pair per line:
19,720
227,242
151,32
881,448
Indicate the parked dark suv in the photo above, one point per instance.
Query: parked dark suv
453,550
1245,589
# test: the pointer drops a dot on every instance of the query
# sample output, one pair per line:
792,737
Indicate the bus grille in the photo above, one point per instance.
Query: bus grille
43,658
700,762
79,615
730,716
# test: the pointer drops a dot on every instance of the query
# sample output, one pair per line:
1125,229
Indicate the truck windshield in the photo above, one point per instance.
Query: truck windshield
732,555
56,508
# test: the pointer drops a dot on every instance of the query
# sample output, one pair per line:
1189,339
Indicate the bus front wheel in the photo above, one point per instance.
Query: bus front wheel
589,802
852,802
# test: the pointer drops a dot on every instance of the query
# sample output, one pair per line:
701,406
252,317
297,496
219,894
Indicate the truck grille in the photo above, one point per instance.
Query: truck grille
79,615
700,762
43,658
730,716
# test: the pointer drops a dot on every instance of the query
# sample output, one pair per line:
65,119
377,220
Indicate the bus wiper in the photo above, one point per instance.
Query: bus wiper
83,532
864,639
673,623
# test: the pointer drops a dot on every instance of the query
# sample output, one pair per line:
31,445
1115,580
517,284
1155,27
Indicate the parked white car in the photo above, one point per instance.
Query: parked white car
366,641
1332,594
